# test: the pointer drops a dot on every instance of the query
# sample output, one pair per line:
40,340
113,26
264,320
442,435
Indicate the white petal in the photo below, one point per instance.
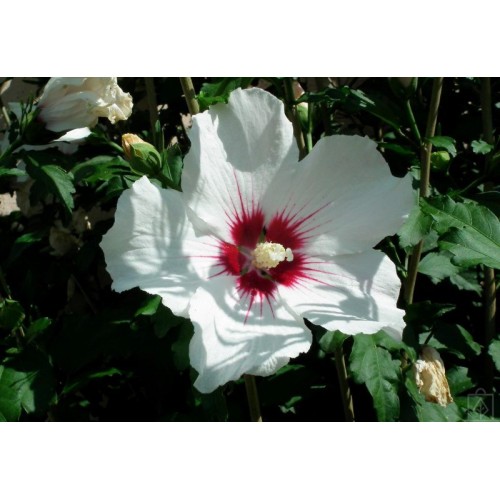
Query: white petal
351,293
74,135
344,194
152,245
236,149
229,342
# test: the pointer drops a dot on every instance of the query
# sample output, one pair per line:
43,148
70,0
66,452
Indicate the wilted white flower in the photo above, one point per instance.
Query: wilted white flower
258,241
431,377
72,103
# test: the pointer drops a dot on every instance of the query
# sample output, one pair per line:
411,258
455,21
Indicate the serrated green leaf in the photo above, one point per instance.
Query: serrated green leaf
373,366
490,199
438,266
494,352
444,142
469,250
416,227
10,401
481,147
11,315
426,313
54,180
456,339
459,380
30,381
431,412
470,231
99,168
172,164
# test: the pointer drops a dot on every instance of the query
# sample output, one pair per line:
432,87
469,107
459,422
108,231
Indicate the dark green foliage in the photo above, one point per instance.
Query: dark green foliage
72,349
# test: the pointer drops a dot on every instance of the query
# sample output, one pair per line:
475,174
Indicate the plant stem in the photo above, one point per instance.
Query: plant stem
5,286
294,117
252,398
345,390
413,122
309,140
425,171
152,102
489,291
190,95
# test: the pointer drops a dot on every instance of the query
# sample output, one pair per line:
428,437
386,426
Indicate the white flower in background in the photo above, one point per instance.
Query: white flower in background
430,377
258,241
72,103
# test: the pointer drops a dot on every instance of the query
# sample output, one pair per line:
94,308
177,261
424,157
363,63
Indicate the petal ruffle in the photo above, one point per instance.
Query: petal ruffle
229,341
351,293
236,149
152,245
342,197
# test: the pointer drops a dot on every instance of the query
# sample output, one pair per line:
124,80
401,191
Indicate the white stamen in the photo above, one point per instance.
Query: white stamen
268,255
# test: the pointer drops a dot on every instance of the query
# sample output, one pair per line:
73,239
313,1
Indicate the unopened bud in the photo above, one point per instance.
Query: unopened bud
127,141
430,377
440,160
142,156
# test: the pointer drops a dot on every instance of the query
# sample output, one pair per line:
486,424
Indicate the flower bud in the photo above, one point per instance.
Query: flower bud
430,377
440,160
142,156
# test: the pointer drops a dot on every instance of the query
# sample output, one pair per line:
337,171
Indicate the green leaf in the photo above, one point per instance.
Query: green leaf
172,164
99,168
53,180
426,313
331,341
11,315
490,199
24,242
10,401
456,339
11,172
416,227
471,232
38,326
149,306
83,380
444,142
438,266
30,380
459,380
431,412
180,348
212,93
481,147
468,250
373,366
494,352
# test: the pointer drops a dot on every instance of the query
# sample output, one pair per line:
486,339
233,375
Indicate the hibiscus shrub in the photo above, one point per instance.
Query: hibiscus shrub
164,255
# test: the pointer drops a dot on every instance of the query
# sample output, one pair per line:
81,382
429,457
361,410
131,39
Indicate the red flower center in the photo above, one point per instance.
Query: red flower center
236,257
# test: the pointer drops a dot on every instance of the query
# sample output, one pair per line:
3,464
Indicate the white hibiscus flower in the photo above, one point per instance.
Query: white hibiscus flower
72,103
258,241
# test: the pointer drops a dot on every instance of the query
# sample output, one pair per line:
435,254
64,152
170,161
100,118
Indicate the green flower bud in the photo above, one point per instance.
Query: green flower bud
440,160
142,156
